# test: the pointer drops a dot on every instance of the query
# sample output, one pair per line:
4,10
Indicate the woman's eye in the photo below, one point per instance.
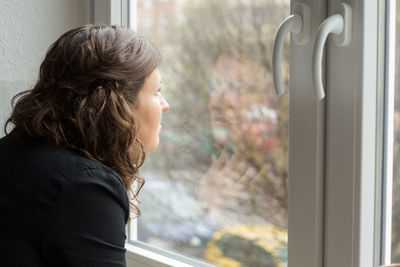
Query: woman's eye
158,92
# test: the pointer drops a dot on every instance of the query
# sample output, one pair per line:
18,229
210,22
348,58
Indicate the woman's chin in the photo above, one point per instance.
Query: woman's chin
151,147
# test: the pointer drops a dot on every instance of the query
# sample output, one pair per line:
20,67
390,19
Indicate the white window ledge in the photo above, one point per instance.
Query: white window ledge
143,255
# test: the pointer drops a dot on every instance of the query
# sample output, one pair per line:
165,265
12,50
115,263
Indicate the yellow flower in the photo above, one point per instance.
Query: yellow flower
270,238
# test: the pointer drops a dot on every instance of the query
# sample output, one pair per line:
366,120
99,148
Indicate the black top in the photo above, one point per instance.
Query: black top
58,208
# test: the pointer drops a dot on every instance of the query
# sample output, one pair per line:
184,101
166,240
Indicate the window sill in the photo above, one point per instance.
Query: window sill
143,255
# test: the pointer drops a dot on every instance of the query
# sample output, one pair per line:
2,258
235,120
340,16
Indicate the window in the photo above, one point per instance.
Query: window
396,194
205,198
216,189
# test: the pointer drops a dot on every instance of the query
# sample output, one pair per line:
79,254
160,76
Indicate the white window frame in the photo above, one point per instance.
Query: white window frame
334,146
350,176
107,12
386,109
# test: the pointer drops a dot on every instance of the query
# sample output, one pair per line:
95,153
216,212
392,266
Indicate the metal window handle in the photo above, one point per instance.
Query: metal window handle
299,24
338,24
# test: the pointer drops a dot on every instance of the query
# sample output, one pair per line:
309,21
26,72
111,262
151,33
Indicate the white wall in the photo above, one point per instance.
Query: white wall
27,29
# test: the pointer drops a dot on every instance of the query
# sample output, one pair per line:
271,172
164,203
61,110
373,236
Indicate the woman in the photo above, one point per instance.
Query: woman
80,136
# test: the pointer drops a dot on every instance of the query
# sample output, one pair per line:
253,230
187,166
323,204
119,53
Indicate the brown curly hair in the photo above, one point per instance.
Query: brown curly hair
84,98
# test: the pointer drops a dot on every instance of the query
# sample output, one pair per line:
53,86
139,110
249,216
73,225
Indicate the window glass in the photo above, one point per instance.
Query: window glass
396,148
217,187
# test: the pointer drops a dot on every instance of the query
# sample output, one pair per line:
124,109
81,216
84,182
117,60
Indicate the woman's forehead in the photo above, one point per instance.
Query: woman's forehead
153,80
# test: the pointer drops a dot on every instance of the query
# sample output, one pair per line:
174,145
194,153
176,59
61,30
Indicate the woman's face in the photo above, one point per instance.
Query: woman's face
149,108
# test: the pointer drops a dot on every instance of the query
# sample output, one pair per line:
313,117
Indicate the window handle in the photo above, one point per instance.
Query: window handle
299,24
338,24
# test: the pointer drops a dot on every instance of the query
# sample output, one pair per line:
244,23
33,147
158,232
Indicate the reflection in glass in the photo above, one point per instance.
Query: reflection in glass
216,188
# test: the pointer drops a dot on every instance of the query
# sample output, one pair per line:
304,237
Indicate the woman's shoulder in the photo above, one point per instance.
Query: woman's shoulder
55,162
41,175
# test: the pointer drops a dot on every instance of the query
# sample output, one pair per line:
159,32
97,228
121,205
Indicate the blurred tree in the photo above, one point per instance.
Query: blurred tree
217,55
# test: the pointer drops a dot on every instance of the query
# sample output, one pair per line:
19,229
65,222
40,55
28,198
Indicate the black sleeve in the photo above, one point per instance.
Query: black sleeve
87,226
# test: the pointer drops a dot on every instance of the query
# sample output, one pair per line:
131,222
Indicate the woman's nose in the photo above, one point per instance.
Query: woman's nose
165,105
